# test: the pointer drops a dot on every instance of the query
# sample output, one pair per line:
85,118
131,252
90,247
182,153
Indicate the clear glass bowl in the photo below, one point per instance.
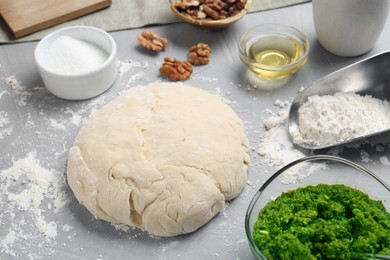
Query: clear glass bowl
274,51
324,169
210,24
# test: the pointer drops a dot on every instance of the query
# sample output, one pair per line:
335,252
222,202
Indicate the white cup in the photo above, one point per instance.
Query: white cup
349,27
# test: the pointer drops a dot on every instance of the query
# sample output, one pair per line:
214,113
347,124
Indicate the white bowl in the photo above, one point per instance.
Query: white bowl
80,65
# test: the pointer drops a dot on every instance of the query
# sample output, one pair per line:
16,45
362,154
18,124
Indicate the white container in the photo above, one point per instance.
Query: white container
349,27
78,83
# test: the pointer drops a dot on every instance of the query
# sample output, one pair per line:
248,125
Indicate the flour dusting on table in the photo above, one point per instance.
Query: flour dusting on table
4,122
24,187
276,147
22,91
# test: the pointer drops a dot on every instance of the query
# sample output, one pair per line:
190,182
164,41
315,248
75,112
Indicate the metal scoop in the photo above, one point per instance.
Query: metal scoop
370,76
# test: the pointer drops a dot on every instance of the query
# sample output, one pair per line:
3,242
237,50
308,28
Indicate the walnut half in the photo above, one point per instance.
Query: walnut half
175,69
151,41
199,54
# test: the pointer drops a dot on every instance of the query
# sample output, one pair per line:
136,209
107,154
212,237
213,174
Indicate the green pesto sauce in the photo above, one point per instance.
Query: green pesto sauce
322,222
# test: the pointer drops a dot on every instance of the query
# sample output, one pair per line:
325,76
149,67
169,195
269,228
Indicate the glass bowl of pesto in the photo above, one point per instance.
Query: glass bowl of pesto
339,210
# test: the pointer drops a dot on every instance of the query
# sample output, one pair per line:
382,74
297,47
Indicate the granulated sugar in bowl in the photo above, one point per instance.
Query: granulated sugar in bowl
77,62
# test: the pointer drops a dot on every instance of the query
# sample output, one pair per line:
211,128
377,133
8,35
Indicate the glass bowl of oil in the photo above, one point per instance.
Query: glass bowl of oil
274,51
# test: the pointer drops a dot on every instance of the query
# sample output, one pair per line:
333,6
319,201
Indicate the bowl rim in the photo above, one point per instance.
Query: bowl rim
286,167
284,28
211,23
42,44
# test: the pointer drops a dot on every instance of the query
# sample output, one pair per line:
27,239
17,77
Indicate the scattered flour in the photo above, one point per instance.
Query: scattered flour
202,78
299,172
23,188
2,93
282,103
18,89
379,148
56,124
137,77
335,118
365,156
218,92
277,149
275,146
4,122
126,66
77,117
384,160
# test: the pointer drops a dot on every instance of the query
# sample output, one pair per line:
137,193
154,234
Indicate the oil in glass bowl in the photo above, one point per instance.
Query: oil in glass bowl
274,51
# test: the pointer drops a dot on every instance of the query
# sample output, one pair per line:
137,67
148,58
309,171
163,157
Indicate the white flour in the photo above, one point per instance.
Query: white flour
18,89
24,186
126,66
4,122
335,118
2,93
384,160
276,148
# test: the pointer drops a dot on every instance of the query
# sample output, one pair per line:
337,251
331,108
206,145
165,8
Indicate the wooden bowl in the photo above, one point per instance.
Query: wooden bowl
210,24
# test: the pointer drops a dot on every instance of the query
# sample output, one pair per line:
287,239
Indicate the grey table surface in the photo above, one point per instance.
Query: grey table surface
40,126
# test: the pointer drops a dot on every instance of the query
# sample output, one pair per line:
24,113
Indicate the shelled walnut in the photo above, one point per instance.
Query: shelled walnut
199,54
210,9
151,41
175,69
186,3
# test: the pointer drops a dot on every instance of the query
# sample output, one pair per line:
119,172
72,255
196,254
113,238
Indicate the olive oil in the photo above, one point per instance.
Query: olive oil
273,56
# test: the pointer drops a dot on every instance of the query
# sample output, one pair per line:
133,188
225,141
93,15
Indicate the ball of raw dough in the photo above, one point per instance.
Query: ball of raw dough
163,157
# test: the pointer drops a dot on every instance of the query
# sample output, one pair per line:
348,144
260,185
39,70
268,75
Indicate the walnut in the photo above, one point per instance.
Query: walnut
199,54
240,4
211,12
151,41
184,4
210,9
233,10
175,69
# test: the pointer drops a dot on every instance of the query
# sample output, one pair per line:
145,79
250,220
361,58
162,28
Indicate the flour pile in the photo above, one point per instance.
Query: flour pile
330,119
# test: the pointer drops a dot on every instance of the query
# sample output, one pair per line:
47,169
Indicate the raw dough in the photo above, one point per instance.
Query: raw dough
162,157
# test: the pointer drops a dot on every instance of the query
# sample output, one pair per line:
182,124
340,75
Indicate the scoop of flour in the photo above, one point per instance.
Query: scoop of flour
330,119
